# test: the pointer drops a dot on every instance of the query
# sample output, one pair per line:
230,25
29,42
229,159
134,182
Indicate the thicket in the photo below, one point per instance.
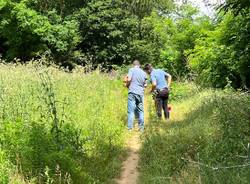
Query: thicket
222,57
95,32
58,127
214,51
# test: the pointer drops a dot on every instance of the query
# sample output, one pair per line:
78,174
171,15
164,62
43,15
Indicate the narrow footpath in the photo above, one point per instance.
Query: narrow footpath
130,173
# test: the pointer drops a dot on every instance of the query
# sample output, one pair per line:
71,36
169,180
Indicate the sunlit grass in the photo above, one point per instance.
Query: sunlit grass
67,122
210,127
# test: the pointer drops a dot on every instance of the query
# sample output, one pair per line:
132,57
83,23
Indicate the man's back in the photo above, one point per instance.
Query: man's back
159,76
138,79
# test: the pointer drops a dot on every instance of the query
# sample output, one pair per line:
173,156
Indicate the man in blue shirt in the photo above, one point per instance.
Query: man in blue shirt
136,82
160,85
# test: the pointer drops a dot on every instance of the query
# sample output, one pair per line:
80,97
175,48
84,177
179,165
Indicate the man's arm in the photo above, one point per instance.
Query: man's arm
128,81
169,79
145,84
125,81
128,78
153,86
153,81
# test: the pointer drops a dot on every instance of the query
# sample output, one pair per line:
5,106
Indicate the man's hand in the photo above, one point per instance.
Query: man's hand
125,81
153,86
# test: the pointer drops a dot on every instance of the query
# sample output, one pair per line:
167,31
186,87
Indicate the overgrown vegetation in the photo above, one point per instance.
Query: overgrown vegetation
94,32
58,127
206,141
67,126
214,50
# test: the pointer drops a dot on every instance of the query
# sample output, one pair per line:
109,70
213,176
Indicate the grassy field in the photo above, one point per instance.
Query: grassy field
58,127
208,133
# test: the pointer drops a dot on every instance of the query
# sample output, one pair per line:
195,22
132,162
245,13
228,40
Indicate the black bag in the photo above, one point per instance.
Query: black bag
163,93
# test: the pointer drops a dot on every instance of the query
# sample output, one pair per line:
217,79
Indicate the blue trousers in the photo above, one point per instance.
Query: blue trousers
135,105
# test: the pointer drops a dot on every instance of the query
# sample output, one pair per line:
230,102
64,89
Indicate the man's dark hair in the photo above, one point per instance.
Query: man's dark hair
148,67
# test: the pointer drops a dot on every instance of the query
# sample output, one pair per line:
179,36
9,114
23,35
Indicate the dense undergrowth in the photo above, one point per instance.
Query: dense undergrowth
208,134
58,127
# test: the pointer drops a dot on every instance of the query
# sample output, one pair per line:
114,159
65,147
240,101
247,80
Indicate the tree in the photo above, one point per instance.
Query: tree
27,33
62,7
180,32
143,8
237,6
106,31
222,58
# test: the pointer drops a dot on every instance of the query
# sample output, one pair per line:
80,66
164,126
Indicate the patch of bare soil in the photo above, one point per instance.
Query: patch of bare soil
130,172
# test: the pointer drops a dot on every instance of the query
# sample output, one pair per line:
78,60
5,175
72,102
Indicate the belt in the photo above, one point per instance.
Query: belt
162,89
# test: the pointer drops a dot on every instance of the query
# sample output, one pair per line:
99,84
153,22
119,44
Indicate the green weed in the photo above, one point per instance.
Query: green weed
58,127
207,132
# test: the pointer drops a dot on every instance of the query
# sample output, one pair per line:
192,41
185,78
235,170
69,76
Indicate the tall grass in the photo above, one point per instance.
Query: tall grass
207,134
58,127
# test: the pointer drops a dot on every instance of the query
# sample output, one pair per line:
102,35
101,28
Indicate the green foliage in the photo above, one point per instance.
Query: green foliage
62,7
223,55
5,168
187,44
106,31
211,128
96,32
182,31
182,90
29,34
112,35
55,127
143,8
237,6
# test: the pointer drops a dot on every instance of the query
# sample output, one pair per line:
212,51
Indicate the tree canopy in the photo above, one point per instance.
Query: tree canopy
179,38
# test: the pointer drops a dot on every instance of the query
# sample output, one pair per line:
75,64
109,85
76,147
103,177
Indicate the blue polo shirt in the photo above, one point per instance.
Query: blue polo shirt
159,76
138,79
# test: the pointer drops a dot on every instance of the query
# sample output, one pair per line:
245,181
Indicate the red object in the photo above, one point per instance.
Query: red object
169,108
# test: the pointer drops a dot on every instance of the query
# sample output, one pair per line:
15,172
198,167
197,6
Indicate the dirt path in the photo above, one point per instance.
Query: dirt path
130,171
130,165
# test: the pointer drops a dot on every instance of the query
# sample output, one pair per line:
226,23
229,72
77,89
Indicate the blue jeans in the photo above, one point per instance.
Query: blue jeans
135,105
